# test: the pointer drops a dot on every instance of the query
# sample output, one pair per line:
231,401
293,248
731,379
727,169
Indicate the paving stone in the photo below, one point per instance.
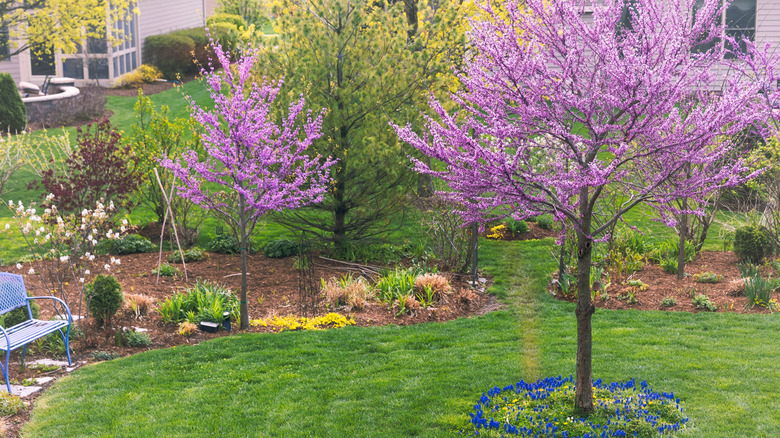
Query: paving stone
21,391
49,362
71,369
43,380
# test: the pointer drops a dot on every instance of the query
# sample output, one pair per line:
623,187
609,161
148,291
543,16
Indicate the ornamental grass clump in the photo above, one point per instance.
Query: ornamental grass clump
351,291
546,409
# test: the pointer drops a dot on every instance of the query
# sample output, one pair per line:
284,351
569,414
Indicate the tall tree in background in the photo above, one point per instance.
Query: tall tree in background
255,157
57,25
630,108
355,59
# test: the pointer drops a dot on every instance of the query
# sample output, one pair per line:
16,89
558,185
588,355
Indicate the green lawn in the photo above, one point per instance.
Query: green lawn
422,380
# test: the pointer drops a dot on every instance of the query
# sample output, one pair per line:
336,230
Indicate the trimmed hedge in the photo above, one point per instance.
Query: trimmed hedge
752,243
236,20
171,53
13,113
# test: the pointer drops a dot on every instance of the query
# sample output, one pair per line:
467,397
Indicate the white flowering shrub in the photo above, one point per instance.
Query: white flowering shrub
62,247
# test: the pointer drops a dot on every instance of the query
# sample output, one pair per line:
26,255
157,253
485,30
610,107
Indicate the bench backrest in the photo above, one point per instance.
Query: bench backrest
12,292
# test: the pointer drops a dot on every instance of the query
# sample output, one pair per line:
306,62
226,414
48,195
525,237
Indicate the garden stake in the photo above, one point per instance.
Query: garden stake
173,224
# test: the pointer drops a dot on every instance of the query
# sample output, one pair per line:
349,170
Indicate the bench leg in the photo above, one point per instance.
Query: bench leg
5,371
66,338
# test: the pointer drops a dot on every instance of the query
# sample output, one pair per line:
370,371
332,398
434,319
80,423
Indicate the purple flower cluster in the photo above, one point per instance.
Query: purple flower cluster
545,409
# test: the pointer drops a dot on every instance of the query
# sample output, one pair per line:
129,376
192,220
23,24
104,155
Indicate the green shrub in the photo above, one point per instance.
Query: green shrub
702,302
171,53
13,113
190,255
223,244
280,248
130,244
20,315
707,277
668,302
202,44
10,404
226,34
104,298
544,222
137,339
166,270
516,227
235,20
752,243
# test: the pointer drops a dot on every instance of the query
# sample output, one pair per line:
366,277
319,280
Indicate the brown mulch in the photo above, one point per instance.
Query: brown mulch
273,290
725,294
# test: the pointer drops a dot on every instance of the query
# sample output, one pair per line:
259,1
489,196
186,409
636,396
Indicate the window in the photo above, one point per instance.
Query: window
5,43
98,68
740,19
73,68
741,22
42,61
627,15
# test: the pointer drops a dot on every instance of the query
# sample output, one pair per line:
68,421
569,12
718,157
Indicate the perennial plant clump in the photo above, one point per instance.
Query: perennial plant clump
546,409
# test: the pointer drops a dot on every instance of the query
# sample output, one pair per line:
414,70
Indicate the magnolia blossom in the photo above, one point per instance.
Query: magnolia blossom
86,272
49,197
18,266
81,280
107,267
7,226
31,271
64,258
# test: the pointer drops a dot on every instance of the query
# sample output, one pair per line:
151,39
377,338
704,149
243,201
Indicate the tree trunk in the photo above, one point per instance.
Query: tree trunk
681,246
339,216
583,396
244,309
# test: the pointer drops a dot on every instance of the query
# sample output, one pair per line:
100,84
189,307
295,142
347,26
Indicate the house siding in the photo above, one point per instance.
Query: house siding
12,66
163,16
768,23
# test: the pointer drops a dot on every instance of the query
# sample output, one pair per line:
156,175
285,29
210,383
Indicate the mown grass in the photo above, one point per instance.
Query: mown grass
422,380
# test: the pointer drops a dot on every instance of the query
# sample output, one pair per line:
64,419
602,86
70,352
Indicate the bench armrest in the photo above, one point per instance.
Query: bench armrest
67,309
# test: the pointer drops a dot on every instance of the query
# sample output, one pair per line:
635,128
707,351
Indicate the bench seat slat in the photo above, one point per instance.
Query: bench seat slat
29,331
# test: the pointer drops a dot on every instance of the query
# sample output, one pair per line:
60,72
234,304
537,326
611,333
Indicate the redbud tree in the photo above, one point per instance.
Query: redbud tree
255,157
562,102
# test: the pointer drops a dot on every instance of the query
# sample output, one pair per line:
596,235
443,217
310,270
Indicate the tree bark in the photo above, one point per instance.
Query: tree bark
681,246
244,308
340,211
583,396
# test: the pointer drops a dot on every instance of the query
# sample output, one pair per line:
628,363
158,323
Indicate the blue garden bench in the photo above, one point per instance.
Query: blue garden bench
13,295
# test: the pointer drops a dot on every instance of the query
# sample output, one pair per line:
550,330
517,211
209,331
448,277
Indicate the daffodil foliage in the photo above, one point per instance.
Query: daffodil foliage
563,101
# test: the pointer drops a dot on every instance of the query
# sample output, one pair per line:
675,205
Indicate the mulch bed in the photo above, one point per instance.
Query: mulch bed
725,294
273,290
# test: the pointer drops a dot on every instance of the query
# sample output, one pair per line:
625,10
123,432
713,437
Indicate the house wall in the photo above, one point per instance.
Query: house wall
162,16
13,67
768,22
